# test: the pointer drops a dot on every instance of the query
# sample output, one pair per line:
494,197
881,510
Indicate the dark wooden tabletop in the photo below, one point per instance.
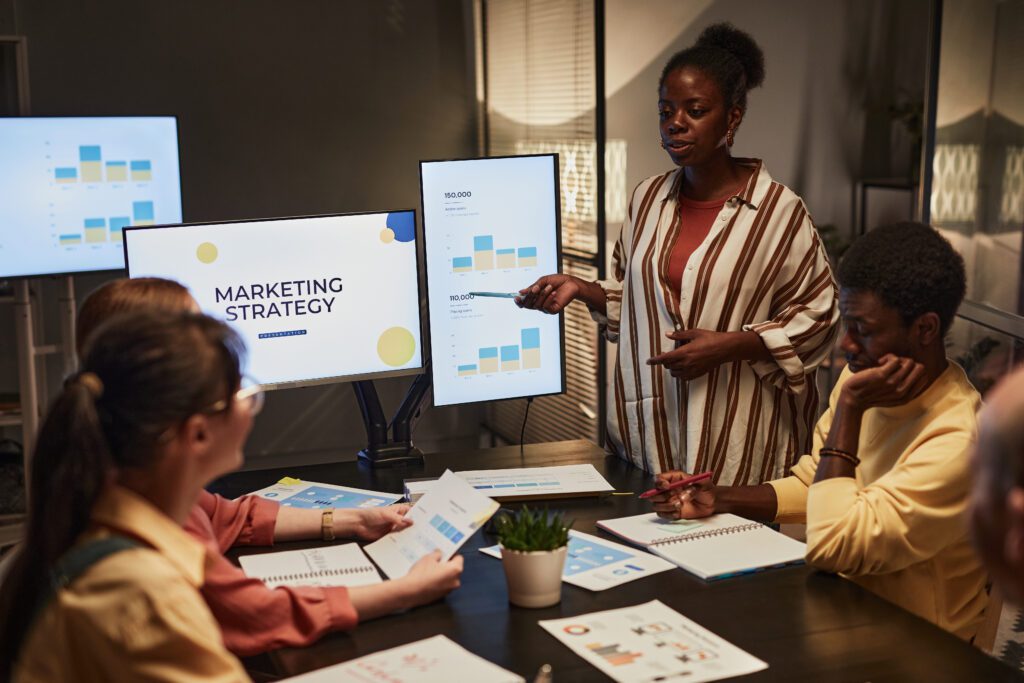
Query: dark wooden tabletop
807,625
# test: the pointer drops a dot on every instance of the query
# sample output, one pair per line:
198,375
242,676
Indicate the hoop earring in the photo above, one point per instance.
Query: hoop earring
730,136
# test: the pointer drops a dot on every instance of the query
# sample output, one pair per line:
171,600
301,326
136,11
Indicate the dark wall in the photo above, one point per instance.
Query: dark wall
285,107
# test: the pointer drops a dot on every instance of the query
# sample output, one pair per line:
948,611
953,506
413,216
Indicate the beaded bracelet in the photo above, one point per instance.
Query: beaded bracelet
848,457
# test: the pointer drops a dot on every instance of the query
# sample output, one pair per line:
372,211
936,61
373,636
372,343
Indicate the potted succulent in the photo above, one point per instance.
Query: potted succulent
533,550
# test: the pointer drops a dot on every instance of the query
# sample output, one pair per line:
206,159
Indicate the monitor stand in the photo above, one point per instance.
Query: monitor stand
380,450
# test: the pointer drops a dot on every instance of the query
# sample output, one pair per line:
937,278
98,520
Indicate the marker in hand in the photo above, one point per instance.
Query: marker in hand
688,481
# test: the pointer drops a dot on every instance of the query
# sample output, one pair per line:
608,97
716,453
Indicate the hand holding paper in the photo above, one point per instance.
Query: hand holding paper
443,519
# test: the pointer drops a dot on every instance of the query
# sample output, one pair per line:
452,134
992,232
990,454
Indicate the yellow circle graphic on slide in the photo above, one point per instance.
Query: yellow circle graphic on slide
206,252
387,235
396,346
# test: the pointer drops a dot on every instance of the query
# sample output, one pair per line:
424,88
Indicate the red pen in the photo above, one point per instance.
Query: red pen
688,481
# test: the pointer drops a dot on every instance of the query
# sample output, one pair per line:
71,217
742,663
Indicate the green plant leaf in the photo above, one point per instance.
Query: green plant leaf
529,531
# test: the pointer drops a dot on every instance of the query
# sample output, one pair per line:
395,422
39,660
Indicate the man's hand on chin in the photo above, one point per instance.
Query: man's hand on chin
894,381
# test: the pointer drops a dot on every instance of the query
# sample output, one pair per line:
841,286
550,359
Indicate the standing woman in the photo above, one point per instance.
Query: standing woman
721,301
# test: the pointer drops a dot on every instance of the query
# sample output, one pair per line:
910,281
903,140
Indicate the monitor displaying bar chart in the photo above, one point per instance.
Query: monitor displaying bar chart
491,225
70,185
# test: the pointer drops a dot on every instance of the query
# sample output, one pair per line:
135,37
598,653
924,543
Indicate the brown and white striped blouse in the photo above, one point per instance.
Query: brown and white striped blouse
762,268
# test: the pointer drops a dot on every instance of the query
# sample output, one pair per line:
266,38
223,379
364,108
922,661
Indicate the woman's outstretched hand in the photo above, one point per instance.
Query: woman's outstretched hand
550,293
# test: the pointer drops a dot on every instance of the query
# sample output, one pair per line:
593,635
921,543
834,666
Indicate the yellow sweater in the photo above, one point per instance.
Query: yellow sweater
899,528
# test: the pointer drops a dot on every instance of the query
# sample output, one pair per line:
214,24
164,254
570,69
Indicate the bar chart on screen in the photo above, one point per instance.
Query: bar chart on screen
71,186
491,230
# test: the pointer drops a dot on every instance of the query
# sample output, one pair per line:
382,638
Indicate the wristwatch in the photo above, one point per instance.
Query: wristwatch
327,525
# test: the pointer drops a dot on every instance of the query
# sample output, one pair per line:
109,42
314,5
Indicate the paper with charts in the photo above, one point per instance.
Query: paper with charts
296,493
443,519
432,660
596,564
527,482
651,642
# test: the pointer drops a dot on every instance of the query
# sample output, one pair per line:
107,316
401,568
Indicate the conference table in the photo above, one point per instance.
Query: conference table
807,625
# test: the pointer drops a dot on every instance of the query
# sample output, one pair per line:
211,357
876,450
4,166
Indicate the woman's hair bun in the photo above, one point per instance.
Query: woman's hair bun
727,37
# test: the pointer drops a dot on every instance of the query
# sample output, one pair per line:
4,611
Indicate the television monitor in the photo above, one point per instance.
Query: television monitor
70,185
491,225
317,299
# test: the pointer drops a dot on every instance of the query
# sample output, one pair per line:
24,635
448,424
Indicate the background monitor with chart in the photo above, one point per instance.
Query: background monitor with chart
491,225
316,299
70,185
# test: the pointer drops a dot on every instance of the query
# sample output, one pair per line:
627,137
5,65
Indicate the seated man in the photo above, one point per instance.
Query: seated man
884,490
997,500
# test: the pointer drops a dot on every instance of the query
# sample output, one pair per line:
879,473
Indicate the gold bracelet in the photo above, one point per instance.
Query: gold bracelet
327,525
838,453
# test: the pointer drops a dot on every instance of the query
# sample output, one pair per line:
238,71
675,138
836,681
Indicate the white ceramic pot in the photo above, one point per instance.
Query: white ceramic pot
534,578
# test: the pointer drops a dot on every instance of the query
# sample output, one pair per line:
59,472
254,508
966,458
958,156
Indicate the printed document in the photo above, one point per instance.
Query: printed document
443,519
432,660
596,564
651,642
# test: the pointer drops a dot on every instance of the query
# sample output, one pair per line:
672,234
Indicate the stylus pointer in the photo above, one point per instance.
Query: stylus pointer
497,295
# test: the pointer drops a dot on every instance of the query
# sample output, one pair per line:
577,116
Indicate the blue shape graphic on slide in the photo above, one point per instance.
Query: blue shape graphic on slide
585,555
403,225
446,529
316,497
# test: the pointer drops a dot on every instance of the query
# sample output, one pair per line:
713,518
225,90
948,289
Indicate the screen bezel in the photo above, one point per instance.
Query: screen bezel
123,269
333,379
558,248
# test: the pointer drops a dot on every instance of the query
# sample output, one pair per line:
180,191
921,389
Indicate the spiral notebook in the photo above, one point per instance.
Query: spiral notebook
339,565
716,547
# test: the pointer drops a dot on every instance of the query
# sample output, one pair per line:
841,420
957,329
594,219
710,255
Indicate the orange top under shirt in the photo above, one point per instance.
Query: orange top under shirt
696,219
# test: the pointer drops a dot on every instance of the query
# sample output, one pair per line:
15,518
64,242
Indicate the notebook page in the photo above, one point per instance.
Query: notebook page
339,565
648,529
717,553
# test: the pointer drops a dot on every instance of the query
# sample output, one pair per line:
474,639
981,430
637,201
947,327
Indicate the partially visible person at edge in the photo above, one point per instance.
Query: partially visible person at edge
884,490
997,498
254,618
722,300
155,413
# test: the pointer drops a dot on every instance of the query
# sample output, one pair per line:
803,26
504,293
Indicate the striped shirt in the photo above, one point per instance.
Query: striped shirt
762,267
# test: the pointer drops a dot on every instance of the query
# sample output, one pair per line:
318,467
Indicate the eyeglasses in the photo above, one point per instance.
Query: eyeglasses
251,396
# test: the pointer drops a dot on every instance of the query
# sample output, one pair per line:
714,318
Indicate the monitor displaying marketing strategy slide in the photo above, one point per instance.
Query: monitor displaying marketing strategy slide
69,187
315,299
491,226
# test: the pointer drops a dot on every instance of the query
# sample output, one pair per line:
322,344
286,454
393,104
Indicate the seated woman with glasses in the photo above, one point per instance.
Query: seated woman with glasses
105,586
253,617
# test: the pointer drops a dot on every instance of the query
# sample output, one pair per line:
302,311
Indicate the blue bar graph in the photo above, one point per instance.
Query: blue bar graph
141,166
89,153
142,213
527,252
66,174
530,338
117,225
483,243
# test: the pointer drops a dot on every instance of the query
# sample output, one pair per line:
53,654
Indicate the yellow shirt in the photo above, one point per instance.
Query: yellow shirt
136,615
899,527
